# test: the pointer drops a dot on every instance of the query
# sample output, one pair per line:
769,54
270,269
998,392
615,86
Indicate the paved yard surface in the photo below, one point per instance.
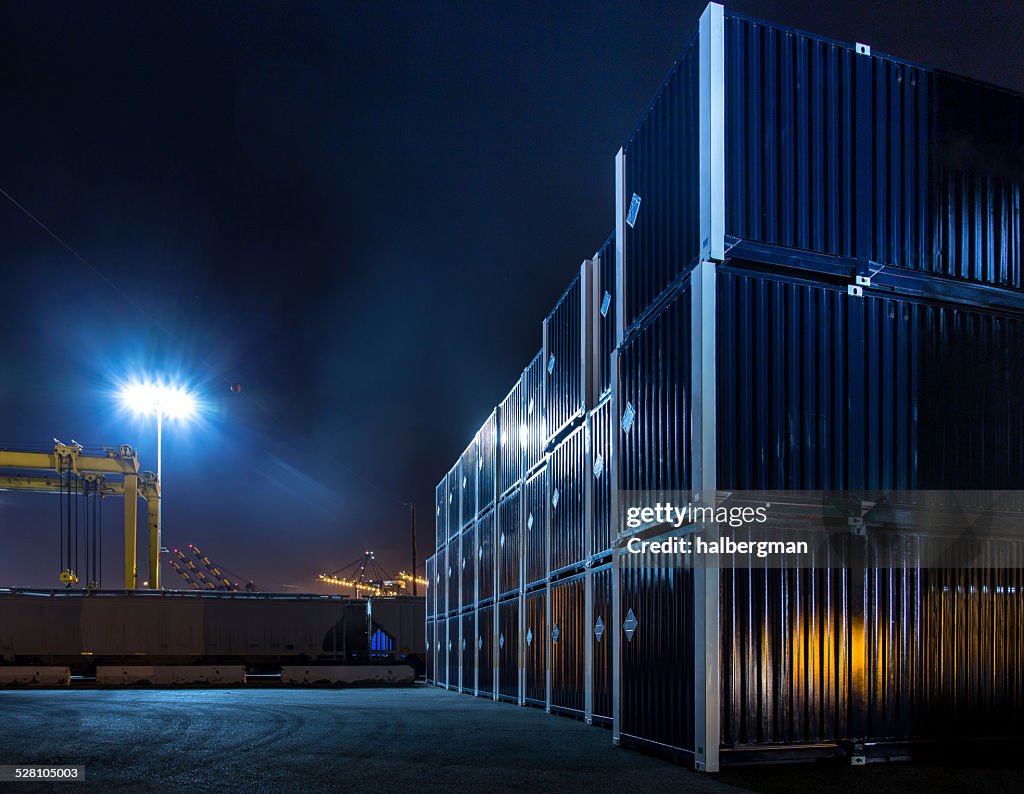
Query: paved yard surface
365,740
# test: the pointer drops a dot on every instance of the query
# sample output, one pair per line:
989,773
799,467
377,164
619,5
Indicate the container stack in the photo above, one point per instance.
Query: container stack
814,286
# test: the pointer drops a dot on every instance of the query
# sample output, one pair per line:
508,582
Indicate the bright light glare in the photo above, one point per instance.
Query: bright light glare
146,398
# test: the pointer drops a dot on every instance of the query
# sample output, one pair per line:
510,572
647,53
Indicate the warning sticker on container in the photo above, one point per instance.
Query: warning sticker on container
606,303
554,499
627,417
554,633
634,208
599,629
551,364
529,521
501,640
629,625
479,643
529,636
598,466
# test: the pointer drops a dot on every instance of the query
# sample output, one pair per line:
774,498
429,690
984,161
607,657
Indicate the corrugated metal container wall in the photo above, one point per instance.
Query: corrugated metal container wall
533,413
535,648
783,369
441,513
485,557
454,641
452,559
440,583
467,567
601,635
508,550
944,647
485,651
431,660
535,529
569,638
431,588
655,633
662,173
604,274
511,439
508,650
786,651
977,175
469,468
870,157
567,502
790,167
487,444
601,428
563,339
654,397
792,353
925,429
469,653
454,520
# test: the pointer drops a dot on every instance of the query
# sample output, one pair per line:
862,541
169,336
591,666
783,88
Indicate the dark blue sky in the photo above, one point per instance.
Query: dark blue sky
360,211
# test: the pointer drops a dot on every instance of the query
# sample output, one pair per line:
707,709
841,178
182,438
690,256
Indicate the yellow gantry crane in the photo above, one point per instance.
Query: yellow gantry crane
104,472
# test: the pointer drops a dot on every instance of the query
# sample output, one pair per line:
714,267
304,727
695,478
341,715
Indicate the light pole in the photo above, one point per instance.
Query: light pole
159,398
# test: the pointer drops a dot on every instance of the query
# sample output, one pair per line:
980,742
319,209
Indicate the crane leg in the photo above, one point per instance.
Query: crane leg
131,510
153,520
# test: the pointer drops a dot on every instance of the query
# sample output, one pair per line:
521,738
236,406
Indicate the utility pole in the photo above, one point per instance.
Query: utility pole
412,509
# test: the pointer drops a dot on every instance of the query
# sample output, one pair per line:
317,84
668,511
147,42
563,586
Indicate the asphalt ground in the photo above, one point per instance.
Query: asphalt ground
388,740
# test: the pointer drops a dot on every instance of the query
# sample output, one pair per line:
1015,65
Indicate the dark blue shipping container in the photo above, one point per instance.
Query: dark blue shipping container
533,414
535,648
454,641
431,596
452,560
469,651
485,651
469,467
567,502
467,567
485,567
565,333
487,445
508,650
509,544
601,427
604,310
441,513
511,439
569,637
535,529
454,520
600,635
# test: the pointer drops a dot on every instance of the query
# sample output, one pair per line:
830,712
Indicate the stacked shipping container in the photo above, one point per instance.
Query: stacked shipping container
809,240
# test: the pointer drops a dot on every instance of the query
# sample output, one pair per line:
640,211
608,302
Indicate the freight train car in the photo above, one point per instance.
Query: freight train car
84,629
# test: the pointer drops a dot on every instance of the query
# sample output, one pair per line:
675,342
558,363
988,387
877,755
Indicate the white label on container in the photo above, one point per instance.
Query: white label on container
551,364
529,521
554,499
598,466
634,208
606,303
529,636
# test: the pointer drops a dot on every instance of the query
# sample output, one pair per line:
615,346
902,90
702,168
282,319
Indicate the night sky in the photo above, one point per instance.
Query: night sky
359,211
